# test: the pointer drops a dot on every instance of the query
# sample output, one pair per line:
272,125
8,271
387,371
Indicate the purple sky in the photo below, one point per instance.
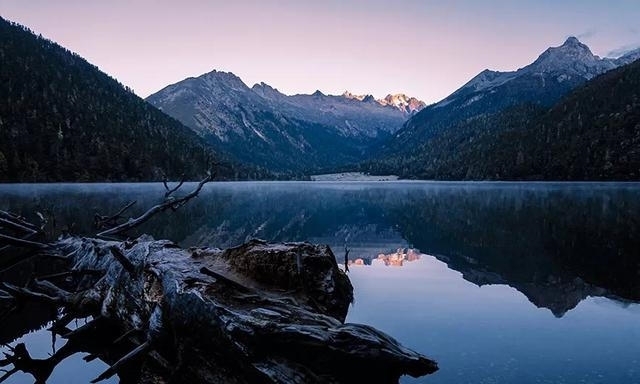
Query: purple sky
423,48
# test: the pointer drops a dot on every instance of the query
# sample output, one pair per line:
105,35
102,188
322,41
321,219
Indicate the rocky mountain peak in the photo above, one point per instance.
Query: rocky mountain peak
567,55
369,99
221,79
351,96
317,93
399,101
403,102
221,75
628,57
265,90
573,41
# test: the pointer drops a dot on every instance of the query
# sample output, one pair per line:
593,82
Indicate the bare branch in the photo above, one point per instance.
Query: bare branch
15,226
112,370
126,335
25,293
172,190
48,287
74,273
346,258
84,328
8,374
111,221
122,259
18,242
5,295
172,203
17,219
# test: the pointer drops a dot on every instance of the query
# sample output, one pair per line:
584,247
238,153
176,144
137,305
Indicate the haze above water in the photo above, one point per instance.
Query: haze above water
499,282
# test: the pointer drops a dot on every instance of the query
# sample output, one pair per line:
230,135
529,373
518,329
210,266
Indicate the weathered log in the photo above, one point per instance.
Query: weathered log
259,317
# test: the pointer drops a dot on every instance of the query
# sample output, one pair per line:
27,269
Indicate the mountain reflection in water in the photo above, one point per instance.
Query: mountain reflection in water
393,259
557,244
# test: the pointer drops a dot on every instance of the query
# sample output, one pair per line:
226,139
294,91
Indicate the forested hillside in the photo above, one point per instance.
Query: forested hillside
591,134
62,119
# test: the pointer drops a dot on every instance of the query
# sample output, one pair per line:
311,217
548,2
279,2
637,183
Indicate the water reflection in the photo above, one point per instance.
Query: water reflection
399,257
492,333
556,243
496,249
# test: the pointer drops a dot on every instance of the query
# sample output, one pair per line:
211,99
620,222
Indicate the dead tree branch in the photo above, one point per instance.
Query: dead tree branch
15,226
122,259
18,242
112,370
18,220
101,222
170,191
170,203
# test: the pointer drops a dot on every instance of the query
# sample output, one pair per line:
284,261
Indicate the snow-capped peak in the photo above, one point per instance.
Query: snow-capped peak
399,101
573,41
349,95
403,102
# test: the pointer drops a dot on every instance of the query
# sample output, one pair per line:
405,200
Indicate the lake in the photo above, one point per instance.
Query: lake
498,282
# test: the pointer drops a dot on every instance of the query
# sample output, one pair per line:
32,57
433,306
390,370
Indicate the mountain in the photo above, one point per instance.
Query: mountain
265,127
553,74
352,116
62,119
400,101
593,133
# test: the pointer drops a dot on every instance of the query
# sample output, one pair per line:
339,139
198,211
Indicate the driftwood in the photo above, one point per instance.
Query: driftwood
271,313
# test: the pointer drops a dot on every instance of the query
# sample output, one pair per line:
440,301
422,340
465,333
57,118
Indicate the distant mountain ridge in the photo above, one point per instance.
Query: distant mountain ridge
593,133
557,71
404,103
265,127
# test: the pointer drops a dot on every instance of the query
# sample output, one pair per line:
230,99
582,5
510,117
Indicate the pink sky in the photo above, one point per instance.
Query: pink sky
422,48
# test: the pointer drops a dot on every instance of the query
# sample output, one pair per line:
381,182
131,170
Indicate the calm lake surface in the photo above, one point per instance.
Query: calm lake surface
498,282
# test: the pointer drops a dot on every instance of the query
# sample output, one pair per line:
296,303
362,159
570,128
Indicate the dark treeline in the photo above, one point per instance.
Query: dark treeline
591,134
62,119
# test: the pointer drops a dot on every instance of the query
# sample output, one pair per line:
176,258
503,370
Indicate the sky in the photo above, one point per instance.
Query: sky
422,48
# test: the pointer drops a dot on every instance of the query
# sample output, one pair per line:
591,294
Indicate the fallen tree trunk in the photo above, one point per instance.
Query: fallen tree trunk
258,313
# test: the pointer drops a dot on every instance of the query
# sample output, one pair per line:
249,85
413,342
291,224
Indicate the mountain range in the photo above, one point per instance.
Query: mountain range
569,115
404,103
61,119
306,133
557,71
265,127
538,122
